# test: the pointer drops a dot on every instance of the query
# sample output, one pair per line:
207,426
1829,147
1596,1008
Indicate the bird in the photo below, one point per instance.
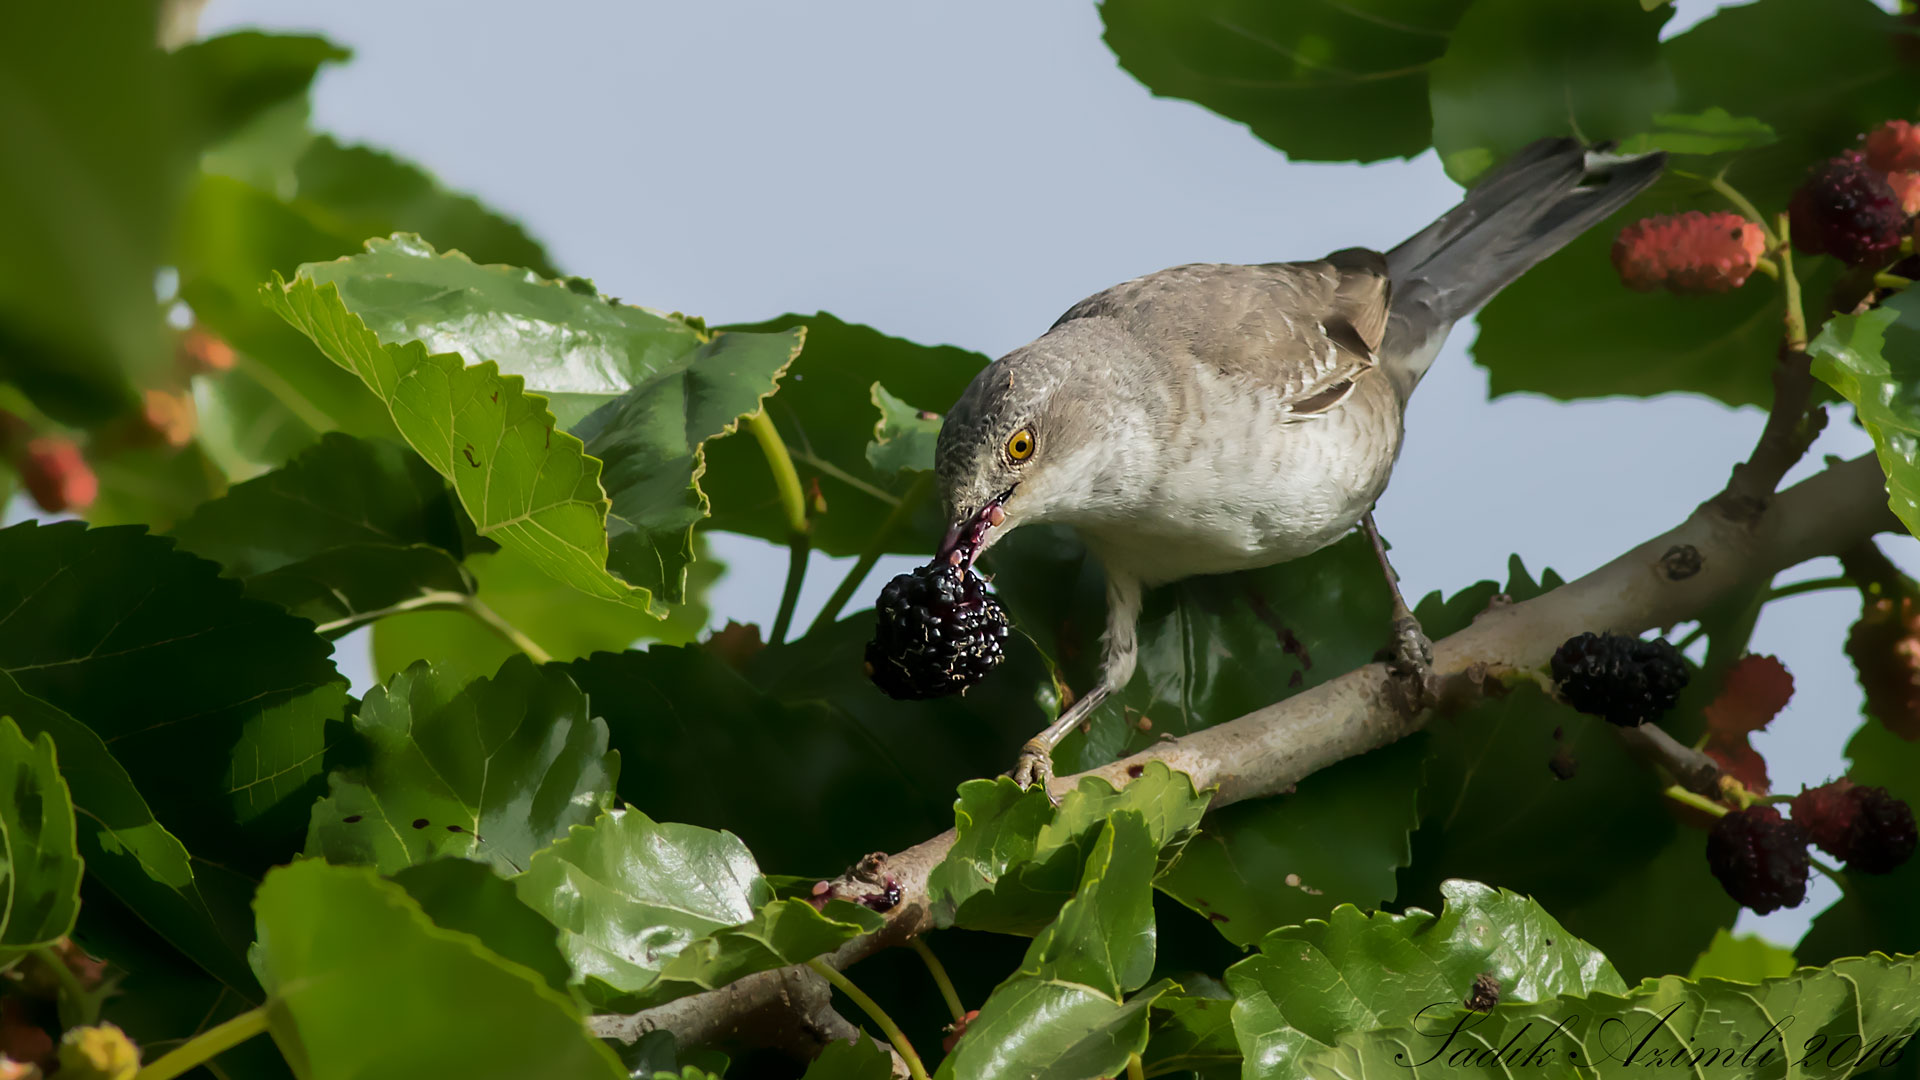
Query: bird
1213,417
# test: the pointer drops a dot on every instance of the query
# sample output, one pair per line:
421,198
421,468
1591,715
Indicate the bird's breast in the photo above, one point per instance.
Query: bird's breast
1236,482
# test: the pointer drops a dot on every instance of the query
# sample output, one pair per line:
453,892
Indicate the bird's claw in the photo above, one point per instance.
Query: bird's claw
1035,766
1412,652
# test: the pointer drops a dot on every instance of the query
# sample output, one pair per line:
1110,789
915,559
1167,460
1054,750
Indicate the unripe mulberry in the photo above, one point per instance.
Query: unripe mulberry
1847,209
957,1029
1864,827
101,1052
170,416
1894,147
1621,679
1759,858
1692,252
57,475
200,352
1906,188
938,633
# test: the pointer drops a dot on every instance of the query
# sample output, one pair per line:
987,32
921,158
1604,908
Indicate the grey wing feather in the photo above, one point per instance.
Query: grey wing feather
1308,330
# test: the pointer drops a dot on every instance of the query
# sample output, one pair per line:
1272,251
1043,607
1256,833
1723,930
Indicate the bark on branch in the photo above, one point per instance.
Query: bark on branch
1724,544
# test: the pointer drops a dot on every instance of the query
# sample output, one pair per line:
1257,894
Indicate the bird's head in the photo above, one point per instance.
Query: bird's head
1015,449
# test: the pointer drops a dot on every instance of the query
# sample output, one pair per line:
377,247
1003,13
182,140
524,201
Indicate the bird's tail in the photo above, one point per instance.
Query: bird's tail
1525,210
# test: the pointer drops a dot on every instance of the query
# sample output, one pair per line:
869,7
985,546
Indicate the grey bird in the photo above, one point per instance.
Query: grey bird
1211,418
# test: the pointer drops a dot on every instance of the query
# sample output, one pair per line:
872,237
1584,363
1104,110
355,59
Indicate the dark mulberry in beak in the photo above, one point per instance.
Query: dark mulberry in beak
962,542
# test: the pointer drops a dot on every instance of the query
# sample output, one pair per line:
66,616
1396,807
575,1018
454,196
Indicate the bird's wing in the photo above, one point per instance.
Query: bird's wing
1308,330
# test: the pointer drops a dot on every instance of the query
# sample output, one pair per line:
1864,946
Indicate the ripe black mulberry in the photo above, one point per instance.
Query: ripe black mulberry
1620,679
1759,858
1847,209
939,632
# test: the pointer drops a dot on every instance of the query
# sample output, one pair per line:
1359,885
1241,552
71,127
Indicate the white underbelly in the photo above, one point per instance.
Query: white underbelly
1253,492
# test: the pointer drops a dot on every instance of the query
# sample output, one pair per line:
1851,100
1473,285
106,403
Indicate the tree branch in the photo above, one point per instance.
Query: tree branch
1724,544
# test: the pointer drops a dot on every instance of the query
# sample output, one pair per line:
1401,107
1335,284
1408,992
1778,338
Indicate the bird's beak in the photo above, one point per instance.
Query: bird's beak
973,533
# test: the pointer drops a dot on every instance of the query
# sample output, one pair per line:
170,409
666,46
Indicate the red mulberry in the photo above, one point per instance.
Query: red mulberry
1692,252
1894,147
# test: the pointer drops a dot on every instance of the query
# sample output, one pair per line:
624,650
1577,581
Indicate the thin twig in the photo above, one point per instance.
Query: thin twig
1811,585
1694,770
903,512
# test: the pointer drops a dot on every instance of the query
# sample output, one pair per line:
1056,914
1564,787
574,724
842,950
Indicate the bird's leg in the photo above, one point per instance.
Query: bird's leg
1035,765
1412,652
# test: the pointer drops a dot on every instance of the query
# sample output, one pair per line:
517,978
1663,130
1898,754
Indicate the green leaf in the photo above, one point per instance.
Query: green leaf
1016,858
1779,61
862,1059
904,438
229,80
1708,133
492,770
369,192
649,911
1211,648
824,413
1064,1013
651,441
1275,862
1191,1032
576,348
1747,958
1320,80
199,909
1313,985
566,623
216,704
345,531
1515,71
93,130
364,984
525,485
39,859
1855,1016
1873,360
459,894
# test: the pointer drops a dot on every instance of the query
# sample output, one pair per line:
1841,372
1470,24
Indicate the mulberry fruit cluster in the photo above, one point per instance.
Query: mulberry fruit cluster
1864,827
939,632
1759,858
1620,679
1692,252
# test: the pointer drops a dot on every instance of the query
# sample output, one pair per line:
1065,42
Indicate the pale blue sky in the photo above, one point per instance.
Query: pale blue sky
963,173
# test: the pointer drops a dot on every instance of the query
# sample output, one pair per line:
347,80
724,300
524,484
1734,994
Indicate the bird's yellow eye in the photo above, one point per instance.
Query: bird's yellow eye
1020,445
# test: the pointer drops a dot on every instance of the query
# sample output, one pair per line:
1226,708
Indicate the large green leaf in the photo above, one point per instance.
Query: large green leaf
649,912
364,985
1191,1032
1064,1013
39,858
1320,80
463,895
493,770
342,533
1211,648
566,624
1515,71
91,164
824,412
1337,839
199,909
904,438
824,748
1314,984
1747,958
1855,1016
862,1059
369,192
525,484
1873,360
216,704
229,80
1016,858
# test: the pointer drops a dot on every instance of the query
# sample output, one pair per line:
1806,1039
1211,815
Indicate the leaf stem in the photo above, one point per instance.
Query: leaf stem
903,511
1698,802
1768,267
1135,1071
207,1045
872,1009
1790,283
1813,585
793,503
442,600
512,634
939,973
1890,281
78,1007
1740,203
